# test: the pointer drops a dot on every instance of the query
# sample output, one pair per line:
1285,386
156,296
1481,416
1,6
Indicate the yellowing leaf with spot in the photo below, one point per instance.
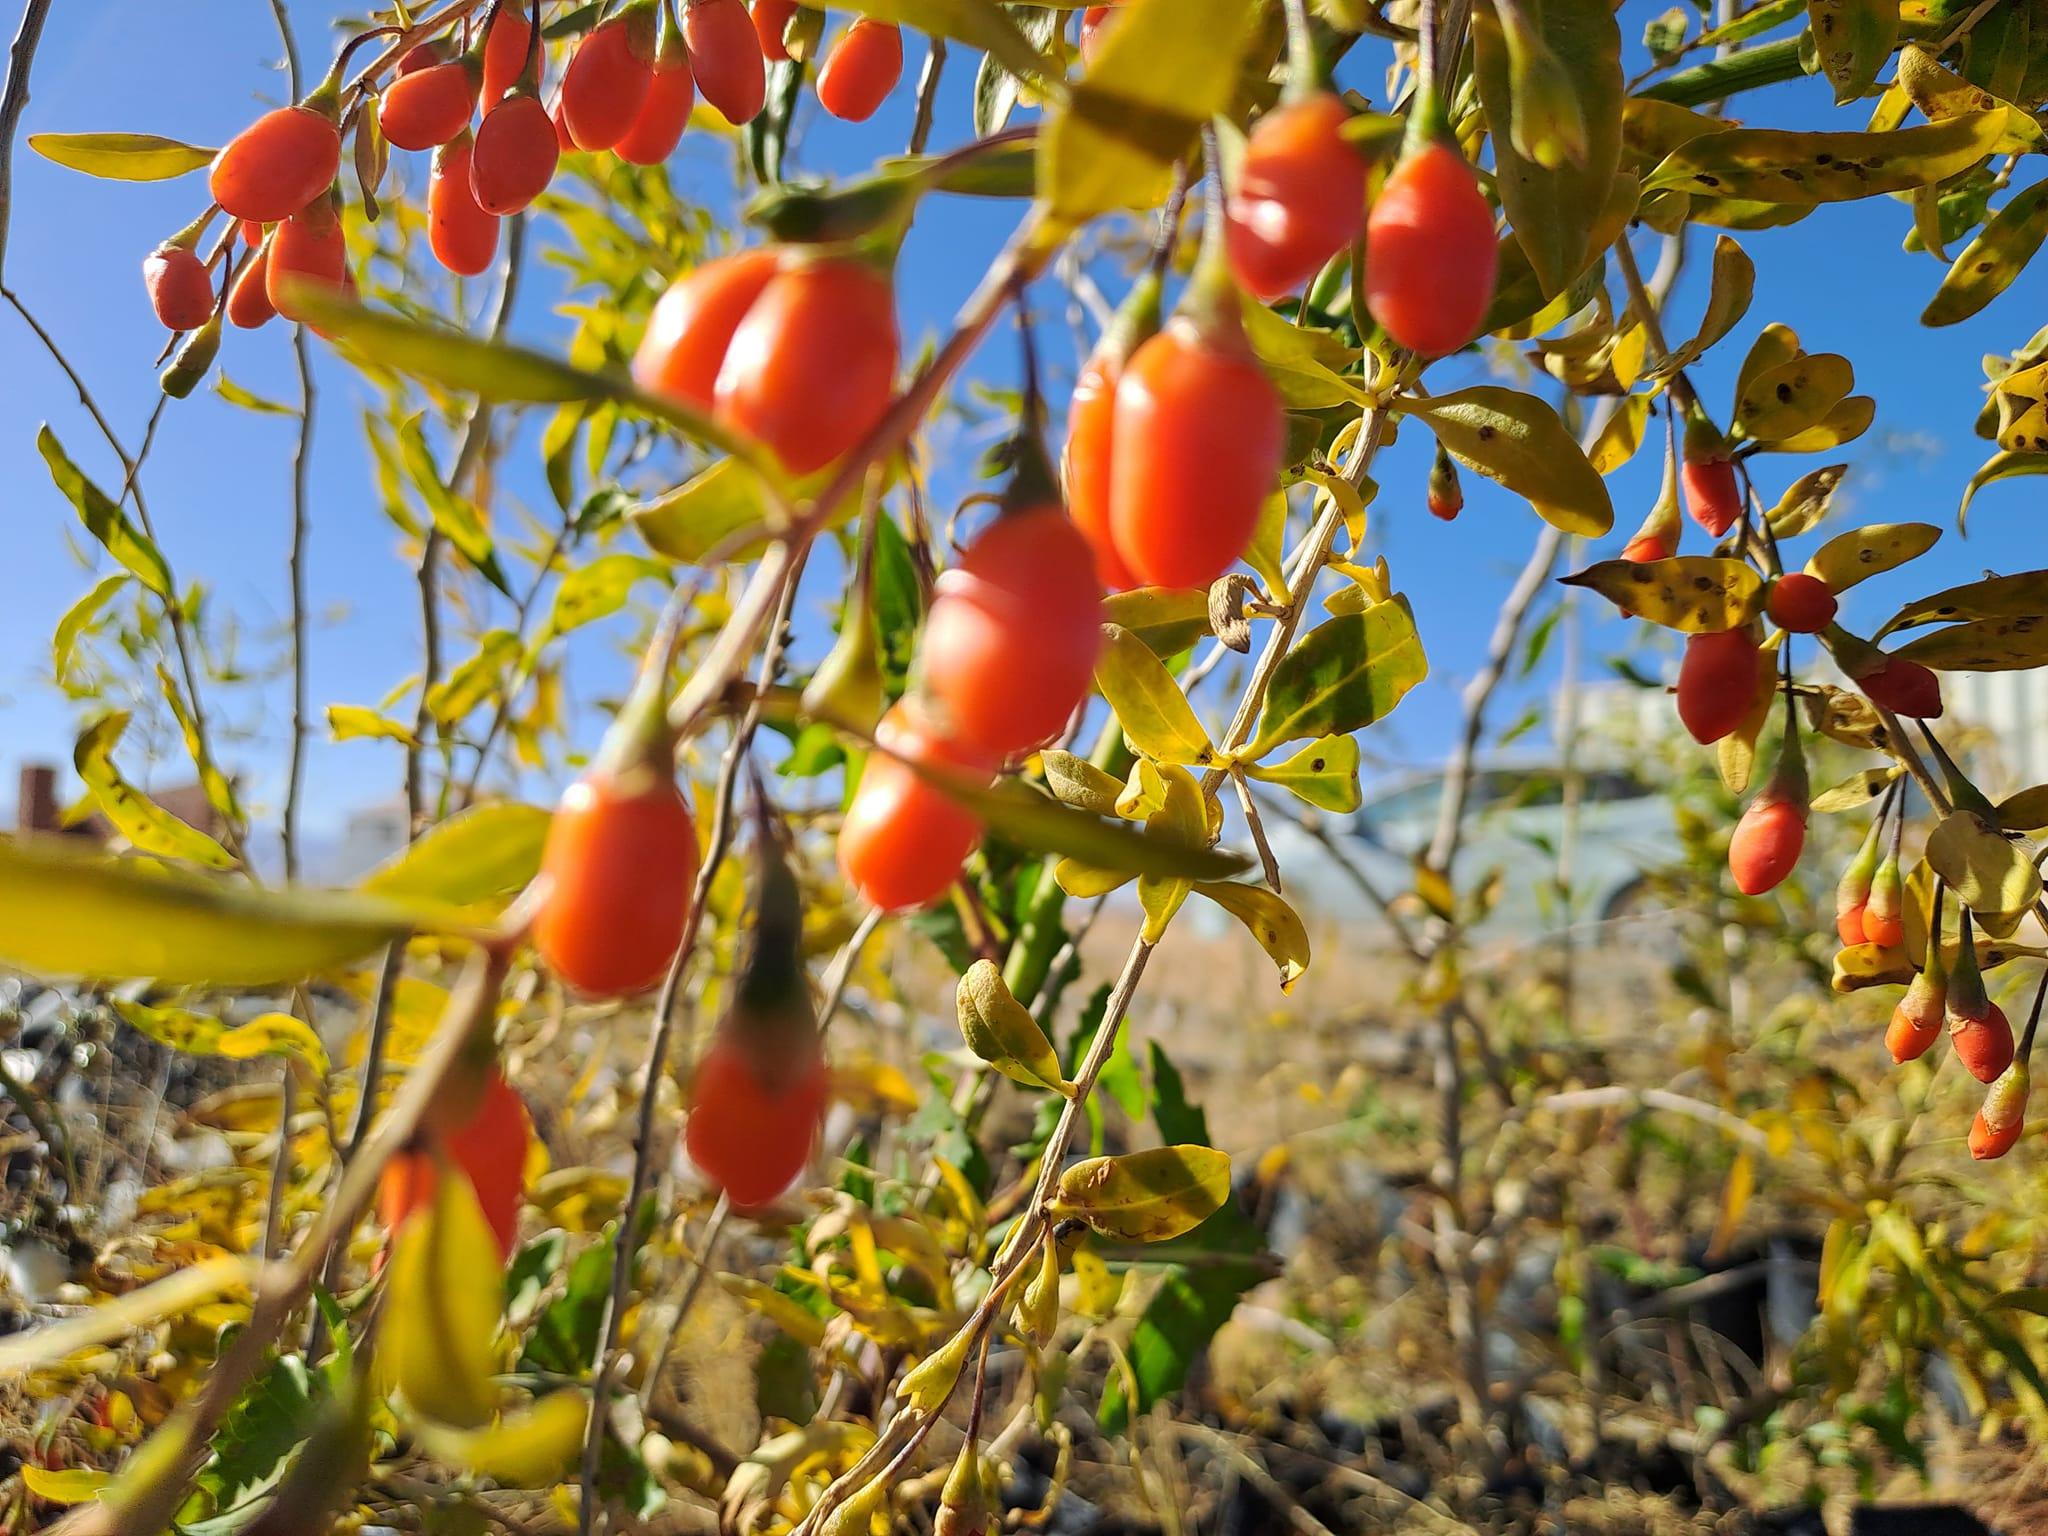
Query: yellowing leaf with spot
1990,262
442,1297
1324,773
1149,705
1852,39
121,156
2024,594
1342,676
1805,501
68,912
1146,1197
1694,594
276,1034
1164,69
528,1449
1776,165
1795,395
147,825
1849,420
1167,619
477,855
1987,645
1862,553
1516,439
1001,1031
1988,874
1856,791
1730,289
179,1028
1275,924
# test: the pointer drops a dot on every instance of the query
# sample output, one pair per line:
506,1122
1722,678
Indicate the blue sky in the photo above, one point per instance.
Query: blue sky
218,480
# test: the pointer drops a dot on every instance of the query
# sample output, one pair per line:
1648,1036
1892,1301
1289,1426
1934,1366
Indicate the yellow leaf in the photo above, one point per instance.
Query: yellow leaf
121,156
277,1034
1694,594
1155,715
1989,875
1516,439
443,1295
1001,1031
1734,1201
1146,1197
1077,782
71,1485
1784,401
1167,619
927,1385
173,1296
1274,923
1862,553
1780,166
147,825
474,856
528,1449
1324,773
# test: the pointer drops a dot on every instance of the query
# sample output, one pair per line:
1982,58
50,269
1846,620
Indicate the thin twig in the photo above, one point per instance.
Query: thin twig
302,463
13,102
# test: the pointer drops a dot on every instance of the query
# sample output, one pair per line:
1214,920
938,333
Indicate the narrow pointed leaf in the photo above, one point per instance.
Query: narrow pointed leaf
1517,439
1001,1031
1776,165
1146,1197
1342,676
1274,923
1694,594
121,156
1155,715
1862,553
104,519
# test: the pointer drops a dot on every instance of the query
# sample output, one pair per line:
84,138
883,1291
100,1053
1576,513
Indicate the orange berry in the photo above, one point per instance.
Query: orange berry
505,46
277,165
1299,199
179,286
1903,687
1009,647
1987,1143
771,24
1766,844
658,126
489,1146
861,70
692,325
903,840
619,863
308,249
725,53
463,236
1849,925
1094,23
514,156
1717,683
1646,547
1086,465
249,303
1199,436
427,108
1801,603
1431,257
812,367
749,1137
1711,496
607,80
1983,1040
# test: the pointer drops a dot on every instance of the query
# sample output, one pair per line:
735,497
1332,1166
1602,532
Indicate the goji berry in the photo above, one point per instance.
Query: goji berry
1883,918
464,238
1095,22
1010,644
861,70
1916,1021
308,250
1445,497
514,156
249,303
1903,687
1085,461
1998,1124
1431,257
1299,198
750,1136
180,288
428,108
1646,547
812,367
489,1146
693,322
608,78
1801,603
277,165
903,840
658,127
771,23
725,53
1717,683
1852,891
508,37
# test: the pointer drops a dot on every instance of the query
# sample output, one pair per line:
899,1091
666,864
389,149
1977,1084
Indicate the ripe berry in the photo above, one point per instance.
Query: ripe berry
1917,1020
1299,199
813,365
277,165
658,126
1010,645
249,295
308,249
1711,497
1431,257
1094,28
463,236
1766,844
1646,547
180,288
251,231
608,79
619,862
771,23
1800,603
861,70
515,154
750,1136
2003,1117
1717,683
1987,1143
1085,460
692,325
1983,1039
488,1145
1199,436
427,108
1903,687
1883,922
903,840
505,47
1852,891
725,53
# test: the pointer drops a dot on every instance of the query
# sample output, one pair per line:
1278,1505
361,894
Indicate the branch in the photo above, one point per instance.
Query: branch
13,102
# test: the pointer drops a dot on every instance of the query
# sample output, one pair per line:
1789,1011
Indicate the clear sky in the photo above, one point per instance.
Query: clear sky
218,480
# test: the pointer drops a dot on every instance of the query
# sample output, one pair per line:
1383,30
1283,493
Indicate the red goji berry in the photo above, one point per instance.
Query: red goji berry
1431,257
277,165
861,70
608,78
658,127
180,288
725,54
903,840
464,238
426,109
692,325
308,250
1299,198
1717,683
514,156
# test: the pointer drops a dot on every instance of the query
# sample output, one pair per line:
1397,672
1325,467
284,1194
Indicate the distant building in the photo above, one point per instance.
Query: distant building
37,808
372,834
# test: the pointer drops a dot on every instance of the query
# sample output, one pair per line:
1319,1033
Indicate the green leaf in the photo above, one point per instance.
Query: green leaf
460,519
1693,594
1805,501
121,156
477,855
1306,365
528,1449
1342,676
477,678
1987,645
78,619
1853,40
1184,1314
1517,439
1155,715
66,912
255,1441
567,1330
147,825
1275,924
1555,212
2003,465
1324,773
978,23
1167,619
600,589
437,1340
1776,165
1077,782
1145,1197
358,722
105,520
1861,553
996,88
1001,1031
1991,261
1165,68
2024,594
